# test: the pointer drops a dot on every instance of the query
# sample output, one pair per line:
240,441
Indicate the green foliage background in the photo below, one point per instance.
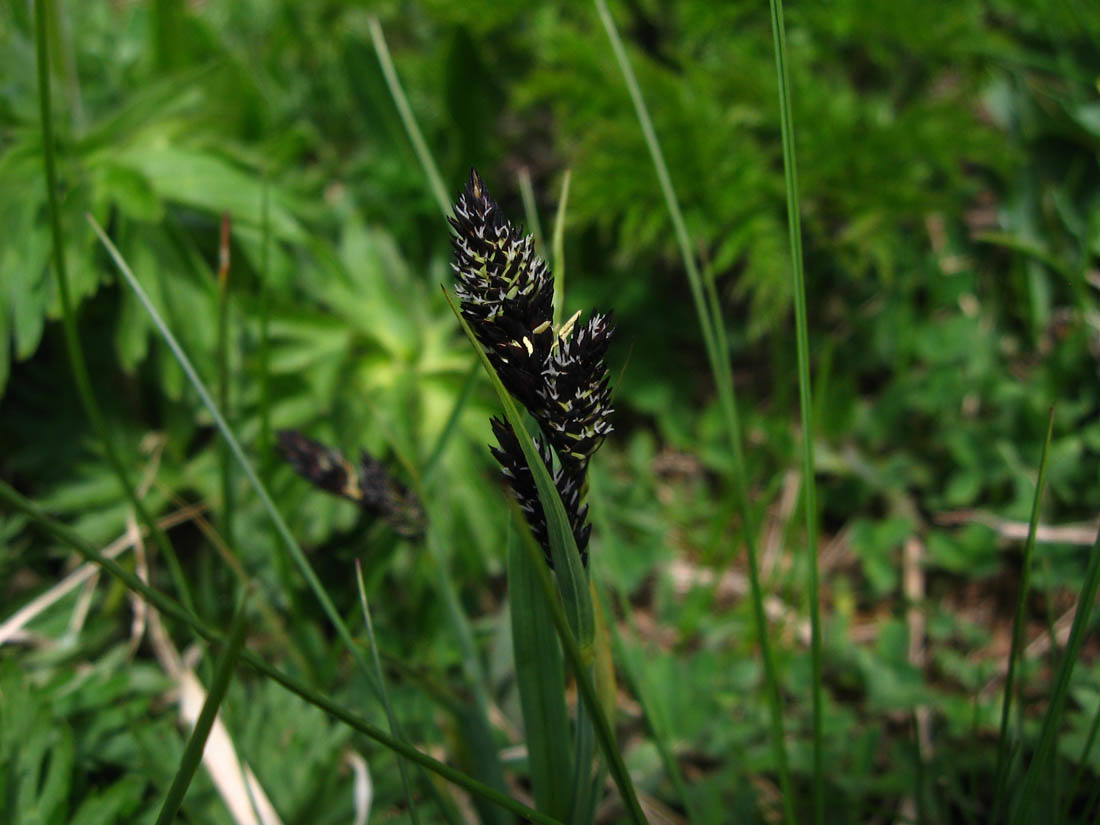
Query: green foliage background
948,165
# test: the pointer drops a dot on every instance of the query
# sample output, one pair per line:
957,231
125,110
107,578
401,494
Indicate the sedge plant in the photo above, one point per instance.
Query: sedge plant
559,376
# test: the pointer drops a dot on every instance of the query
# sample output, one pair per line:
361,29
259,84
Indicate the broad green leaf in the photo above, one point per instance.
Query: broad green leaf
208,182
540,679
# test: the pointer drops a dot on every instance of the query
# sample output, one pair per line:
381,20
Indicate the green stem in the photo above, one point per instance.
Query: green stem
559,249
192,753
380,676
579,666
1086,756
805,398
1000,774
1053,715
720,369
530,210
225,458
435,180
266,446
72,338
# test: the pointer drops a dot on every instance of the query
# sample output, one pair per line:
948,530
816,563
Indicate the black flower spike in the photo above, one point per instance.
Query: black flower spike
505,289
574,401
368,484
560,376
514,464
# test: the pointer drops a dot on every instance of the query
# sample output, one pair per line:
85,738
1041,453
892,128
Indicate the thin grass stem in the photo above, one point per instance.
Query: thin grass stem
427,162
540,676
266,445
1082,762
391,717
1001,772
559,249
1090,809
530,209
1053,716
578,664
805,399
222,358
585,746
68,318
727,398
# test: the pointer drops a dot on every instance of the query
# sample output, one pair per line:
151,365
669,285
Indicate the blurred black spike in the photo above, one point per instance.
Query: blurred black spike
368,484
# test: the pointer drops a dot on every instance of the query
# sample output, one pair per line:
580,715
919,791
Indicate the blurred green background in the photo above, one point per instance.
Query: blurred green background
950,193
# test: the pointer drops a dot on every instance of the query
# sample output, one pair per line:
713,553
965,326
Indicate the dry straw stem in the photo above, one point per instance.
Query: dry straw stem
237,785
14,627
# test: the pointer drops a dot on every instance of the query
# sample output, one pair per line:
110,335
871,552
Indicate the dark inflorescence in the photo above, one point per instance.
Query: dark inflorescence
518,475
367,483
506,294
504,288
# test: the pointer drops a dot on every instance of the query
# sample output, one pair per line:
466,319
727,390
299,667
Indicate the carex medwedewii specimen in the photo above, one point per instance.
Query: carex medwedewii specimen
506,294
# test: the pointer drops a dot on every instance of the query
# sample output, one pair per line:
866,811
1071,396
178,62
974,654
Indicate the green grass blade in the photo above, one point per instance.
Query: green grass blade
192,753
805,399
663,178
427,162
267,452
574,621
572,577
72,340
530,210
289,542
1001,772
717,356
559,249
590,782
579,664
584,791
480,745
1090,812
540,679
485,758
1086,756
377,663
171,608
225,458
1053,716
